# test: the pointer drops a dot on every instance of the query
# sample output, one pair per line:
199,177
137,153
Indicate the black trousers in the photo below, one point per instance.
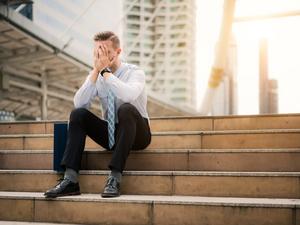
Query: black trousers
131,133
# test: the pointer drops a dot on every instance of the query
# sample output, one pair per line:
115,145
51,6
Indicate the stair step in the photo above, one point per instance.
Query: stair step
249,122
287,138
215,184
147,209
259,160
30,223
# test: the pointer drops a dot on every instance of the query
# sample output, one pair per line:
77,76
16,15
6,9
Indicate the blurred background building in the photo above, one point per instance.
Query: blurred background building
45,54
160,37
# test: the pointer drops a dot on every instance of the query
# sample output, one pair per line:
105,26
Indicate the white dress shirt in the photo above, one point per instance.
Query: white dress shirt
127,84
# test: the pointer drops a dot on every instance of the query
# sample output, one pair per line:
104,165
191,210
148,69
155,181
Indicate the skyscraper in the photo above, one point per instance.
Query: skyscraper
160,37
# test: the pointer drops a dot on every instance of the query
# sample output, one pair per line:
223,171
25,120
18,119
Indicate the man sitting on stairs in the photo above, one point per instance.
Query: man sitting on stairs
121,89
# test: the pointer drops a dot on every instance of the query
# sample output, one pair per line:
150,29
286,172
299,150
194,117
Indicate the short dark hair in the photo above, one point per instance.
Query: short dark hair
108,35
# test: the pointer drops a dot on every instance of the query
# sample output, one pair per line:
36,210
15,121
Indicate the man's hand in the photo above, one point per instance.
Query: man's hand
102,59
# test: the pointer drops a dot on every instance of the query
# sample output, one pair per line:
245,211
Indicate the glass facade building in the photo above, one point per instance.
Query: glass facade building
160,37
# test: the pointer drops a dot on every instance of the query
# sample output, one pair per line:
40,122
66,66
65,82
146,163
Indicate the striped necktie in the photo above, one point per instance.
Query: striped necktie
111,118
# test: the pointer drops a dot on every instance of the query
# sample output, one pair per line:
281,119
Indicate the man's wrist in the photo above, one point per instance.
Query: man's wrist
105,70
94,75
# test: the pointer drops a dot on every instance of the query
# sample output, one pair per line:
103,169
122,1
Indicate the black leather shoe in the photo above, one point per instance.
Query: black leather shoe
65,187
112,188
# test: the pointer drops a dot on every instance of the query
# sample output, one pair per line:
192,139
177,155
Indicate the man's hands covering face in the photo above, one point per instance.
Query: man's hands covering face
102,59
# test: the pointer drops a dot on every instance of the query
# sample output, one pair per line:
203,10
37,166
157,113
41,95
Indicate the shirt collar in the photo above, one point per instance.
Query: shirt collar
118,72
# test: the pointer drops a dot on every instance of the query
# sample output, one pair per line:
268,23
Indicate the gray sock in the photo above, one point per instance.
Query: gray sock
116,174
71,175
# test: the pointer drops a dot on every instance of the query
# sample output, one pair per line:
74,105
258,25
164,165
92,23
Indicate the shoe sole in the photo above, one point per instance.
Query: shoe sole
61,195
109,195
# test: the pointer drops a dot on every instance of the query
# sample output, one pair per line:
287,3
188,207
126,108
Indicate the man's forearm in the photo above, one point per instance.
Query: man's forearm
126,91
94,75
86,92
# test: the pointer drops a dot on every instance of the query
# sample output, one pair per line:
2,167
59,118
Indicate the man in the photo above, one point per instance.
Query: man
121,89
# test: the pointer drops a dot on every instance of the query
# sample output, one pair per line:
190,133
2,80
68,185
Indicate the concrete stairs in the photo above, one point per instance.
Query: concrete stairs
197,170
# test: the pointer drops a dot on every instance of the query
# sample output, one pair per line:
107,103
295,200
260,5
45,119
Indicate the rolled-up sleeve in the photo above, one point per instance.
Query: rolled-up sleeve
130,90
85,94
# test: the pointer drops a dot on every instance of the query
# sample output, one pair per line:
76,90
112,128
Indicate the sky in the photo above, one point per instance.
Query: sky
283,37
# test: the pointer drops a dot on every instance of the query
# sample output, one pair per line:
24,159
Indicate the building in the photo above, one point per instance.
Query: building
160,37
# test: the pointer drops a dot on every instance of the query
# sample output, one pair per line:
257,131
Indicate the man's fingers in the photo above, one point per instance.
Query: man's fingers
101,47
101,50
113,59
105,50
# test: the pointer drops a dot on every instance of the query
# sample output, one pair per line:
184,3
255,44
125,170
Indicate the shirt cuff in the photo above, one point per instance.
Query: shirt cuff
111,79
89,82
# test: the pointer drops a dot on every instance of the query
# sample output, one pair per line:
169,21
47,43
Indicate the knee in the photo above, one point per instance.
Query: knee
126,111
78,114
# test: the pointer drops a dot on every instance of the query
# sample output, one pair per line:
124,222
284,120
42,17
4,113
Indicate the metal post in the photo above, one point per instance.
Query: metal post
4,81
273,96
232,76
217,70
263,77
44,96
